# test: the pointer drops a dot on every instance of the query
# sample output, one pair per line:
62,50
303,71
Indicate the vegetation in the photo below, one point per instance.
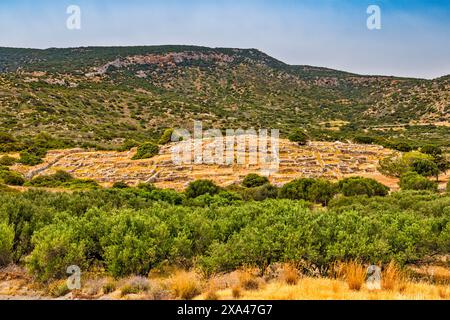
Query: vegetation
298,136
80,110
62,179
201,187
146,150
134,230
166,136
254,180
414,181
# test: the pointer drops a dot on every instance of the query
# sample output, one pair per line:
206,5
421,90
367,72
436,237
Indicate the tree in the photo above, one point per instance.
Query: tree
438,155
322,191
146,151
254,180
398,165
296,189
120,185
414,181
425,167
166,136
6,244
298,136
201,187
355,186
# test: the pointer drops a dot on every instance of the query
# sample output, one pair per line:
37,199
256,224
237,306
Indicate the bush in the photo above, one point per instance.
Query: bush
29,159
185,285
7,161
357,186
6,244
314,190
11,178
201,187
54,180
166,136
58,288
321,191
298,136
364,139
266,191
120,185
146,151
56,248
425,167
431,150
134,243
254,180
296,189
414,181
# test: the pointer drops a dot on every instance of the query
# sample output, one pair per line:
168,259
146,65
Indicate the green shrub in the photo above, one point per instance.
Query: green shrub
254,180
146,151
266,191
166,136
296,189
364,139
11,178
29,159
57,179
322,191
120,185
425,167
356,186
6,244
128,144
7,161
134,243
56,247
201,187
314,190
415,181
146,186
298,136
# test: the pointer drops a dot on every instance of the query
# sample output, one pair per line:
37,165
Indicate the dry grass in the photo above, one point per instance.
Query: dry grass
355,274
248,280
335,289
58,288
444,292
236,292
289,274
185,285
392,278
135,285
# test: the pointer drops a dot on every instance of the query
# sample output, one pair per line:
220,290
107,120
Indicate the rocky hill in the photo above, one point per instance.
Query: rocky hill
103,95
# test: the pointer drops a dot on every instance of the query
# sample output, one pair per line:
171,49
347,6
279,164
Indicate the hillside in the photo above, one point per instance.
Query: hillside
102,95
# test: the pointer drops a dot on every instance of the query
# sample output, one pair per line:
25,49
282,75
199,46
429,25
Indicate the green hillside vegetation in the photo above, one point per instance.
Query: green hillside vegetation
133,230
137,99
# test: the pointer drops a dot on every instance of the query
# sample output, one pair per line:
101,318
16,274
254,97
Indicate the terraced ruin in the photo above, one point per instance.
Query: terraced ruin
330,160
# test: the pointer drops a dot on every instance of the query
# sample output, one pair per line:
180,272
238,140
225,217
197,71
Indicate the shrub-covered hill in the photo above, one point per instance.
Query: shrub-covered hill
98,94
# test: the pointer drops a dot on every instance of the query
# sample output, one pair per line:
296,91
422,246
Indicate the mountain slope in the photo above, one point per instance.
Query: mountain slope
105,94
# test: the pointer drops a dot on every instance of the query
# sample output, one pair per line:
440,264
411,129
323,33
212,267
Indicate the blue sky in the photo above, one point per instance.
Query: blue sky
413,41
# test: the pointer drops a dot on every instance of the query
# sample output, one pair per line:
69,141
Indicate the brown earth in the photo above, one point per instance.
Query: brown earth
330,160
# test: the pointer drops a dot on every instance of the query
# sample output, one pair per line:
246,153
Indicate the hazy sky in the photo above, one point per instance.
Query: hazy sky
414,39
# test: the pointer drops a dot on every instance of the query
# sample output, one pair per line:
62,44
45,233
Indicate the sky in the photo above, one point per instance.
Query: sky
414,39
